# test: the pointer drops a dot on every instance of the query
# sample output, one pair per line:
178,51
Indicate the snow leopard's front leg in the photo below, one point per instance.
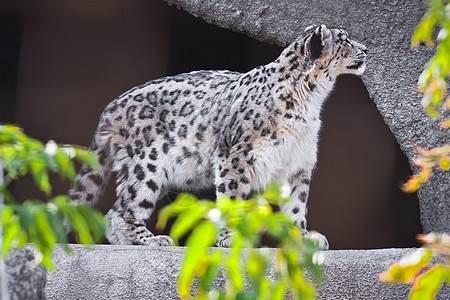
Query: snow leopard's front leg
297,208
231,180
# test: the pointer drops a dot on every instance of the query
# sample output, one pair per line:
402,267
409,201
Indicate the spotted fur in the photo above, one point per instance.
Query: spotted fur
234,131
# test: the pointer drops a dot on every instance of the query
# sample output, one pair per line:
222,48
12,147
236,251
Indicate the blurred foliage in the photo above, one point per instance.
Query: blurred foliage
247,221
42,224
434,79
417,268
438,157
433,84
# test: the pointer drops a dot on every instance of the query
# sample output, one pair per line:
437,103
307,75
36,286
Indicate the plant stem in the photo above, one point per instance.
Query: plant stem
3,277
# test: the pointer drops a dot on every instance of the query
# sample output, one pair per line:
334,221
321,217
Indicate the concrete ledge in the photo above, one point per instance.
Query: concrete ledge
136,272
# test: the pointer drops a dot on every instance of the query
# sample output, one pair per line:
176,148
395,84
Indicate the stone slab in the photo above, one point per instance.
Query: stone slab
137,272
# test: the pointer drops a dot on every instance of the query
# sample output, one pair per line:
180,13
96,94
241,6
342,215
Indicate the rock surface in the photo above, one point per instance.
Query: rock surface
136,272
25,279
385,27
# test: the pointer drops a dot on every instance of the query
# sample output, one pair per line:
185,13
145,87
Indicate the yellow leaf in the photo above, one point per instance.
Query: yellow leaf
408,267
445,124
427,284
444,163
411,185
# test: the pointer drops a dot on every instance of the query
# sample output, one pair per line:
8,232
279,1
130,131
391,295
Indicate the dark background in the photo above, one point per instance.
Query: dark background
61,62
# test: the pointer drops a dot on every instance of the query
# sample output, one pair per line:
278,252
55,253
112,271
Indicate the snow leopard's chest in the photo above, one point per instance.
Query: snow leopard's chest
295,150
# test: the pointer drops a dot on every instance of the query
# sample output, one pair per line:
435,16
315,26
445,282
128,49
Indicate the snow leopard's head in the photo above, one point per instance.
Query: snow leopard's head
333,51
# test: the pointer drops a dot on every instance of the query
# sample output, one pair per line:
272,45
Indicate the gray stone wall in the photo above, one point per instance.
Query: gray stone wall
385,27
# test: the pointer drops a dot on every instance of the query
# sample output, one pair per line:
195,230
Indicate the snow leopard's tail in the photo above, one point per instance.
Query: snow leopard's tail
92,183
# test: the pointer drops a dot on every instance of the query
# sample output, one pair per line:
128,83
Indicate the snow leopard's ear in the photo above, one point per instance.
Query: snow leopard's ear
310,27
319,42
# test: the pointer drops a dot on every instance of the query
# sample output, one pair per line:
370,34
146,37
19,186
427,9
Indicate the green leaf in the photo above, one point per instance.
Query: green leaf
185,222
424,31
84,156
301,288
278,291
24,214
57,224
198,243
210,275
233,263
432,112
224,204
43,226
41,235
7,196
78,224
428,284
279,225
22,239
256,265
64,164
188,219
40,175
11,231
264,288
95,221
6,214
275,193
182,202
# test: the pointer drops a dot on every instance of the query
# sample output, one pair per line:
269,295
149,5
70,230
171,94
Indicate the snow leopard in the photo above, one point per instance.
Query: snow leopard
235,132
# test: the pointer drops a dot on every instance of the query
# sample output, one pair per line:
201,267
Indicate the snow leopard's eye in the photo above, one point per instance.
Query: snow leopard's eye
343,35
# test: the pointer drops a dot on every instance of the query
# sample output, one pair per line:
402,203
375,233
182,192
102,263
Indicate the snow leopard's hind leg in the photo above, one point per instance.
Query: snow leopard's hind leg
139,186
